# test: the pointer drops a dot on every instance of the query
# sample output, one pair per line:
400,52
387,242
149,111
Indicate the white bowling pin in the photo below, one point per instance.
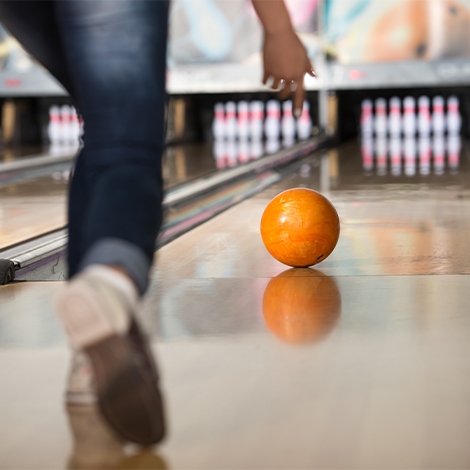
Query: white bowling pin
220,154
438,119
256,149
75,128
288,122
304,123
381,155
232,152
394,117
81,124
367,120
272,146
438,150
66,130
380,119
453,119
243,120
218,124
424,116
424,151
243,151
409,151
395,155
230,120
453,151
288,143
272,124
367,153
53,128
409,116
256,120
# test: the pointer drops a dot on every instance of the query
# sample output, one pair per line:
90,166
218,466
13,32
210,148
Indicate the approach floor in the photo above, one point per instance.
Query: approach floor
366,366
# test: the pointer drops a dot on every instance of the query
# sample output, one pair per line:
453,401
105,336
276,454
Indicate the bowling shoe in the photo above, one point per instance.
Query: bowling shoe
99,320
81,389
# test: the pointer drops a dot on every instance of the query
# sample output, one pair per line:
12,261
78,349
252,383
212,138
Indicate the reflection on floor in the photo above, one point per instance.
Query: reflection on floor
362,362
31,207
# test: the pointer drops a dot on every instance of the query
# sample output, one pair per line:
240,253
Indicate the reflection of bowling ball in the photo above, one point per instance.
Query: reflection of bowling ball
300,227
301,305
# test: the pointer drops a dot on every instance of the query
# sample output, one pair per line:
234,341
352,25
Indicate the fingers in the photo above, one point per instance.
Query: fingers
265,77
286,91
277,82
309,69
298,99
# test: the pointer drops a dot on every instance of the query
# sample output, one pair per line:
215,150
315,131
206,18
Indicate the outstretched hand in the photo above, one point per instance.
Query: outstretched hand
285,64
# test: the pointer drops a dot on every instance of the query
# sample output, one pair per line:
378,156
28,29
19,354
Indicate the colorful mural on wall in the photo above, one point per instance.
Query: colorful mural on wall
359,31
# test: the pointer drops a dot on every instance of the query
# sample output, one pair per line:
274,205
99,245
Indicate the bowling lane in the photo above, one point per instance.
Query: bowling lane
32,202
362,362
390,224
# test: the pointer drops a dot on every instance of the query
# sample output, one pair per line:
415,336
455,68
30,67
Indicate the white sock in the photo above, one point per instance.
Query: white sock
122,283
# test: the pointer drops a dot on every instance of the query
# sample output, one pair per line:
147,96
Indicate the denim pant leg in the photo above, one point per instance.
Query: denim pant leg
116,56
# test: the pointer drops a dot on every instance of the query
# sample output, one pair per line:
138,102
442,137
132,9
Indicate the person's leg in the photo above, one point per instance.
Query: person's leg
116,55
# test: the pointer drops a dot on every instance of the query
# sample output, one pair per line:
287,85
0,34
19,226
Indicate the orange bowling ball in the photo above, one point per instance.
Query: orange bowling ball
301,305
300,227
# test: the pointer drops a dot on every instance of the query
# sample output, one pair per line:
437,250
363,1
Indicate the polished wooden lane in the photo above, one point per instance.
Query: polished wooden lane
31,207
361,363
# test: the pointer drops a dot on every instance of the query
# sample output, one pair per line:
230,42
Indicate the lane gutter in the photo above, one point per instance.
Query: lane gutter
29,253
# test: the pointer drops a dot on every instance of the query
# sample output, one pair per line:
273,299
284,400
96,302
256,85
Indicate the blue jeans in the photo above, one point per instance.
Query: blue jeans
110,55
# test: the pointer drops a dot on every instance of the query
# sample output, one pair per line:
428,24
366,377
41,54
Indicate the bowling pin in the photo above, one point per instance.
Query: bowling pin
53,128
409,116
66,131
243,151
438,150
381,155
218,124
453,151
367,120
243,120
409,151
304,123
81,124
288,143
220,154
453,119
75,129
232,153
230,120
438,119
394,118
272,146
395,155
256,120
272,125
367,153
380,120
256,149
288,122
424,116
424,151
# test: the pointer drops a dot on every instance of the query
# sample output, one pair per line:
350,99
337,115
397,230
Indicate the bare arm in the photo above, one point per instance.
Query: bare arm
284,56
